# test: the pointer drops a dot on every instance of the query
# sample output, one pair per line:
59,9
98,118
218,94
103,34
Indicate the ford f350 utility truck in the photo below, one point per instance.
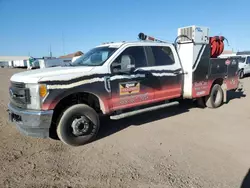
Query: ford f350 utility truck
119,80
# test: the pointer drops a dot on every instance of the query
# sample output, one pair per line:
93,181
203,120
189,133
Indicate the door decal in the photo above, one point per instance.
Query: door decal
128,88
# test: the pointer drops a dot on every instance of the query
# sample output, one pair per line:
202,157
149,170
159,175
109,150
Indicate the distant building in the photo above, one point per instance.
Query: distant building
227,53
12,58
243,53
44,62
60,61
71,57
78,53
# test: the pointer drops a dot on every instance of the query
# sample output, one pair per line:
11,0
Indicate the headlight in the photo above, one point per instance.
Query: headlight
37,93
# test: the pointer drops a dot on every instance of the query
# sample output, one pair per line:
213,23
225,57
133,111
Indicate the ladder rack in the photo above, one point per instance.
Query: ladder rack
144,37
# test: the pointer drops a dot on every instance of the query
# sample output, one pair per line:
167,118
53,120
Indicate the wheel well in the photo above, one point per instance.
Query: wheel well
242,69
218,81
76,98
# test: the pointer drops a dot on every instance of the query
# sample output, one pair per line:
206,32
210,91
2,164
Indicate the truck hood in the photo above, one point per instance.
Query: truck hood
48,74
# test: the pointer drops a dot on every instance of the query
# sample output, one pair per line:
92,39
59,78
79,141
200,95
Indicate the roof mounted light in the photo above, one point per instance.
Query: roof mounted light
142,36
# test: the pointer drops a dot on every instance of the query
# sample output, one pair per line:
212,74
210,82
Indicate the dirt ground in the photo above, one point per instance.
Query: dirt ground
181,146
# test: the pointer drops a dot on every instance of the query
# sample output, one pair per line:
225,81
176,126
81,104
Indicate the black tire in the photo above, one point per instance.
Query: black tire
215,98
201,103
65,131
241,74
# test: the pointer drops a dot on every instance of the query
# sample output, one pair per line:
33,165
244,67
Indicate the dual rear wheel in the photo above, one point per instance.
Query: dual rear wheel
214,99
241,74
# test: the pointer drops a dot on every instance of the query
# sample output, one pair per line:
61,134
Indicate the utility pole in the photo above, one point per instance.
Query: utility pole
50,52
63,46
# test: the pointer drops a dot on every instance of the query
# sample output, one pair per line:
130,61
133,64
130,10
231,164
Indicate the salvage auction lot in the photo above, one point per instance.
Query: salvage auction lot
181,146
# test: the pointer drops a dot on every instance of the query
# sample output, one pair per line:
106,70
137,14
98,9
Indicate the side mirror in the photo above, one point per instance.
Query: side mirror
126,65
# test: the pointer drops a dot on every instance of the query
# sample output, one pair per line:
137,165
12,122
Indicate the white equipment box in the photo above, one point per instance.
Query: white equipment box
199,35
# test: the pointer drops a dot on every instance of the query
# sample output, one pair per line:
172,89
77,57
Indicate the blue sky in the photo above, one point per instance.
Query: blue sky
31,26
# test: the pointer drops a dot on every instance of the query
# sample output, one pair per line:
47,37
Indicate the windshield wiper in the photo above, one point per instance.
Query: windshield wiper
86,65
68,64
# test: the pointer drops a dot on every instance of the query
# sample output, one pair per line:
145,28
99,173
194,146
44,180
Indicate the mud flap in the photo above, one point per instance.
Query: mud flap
240,86
224,88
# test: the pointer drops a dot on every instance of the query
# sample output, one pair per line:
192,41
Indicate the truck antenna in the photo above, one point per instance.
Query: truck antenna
63,45
50,52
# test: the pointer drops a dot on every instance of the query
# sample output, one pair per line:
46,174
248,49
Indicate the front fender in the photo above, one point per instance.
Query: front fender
55,96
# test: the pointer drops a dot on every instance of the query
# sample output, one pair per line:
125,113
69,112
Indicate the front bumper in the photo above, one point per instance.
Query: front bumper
31,122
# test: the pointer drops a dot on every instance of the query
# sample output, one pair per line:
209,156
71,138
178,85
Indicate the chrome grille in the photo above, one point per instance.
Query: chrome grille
19,95
18,84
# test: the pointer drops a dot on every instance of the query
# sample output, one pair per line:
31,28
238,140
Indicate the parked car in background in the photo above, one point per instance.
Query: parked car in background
243,63
3,64
244,66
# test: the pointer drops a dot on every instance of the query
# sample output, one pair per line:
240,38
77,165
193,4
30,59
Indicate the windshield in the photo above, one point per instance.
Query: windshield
95,57
242,60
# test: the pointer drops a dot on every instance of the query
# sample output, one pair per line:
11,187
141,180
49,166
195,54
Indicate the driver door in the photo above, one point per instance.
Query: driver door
130,87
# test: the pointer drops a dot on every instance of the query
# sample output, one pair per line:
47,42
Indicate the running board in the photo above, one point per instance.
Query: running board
128,114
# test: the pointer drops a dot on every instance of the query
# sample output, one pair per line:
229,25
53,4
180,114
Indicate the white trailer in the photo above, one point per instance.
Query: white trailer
15,61
45,63
20,63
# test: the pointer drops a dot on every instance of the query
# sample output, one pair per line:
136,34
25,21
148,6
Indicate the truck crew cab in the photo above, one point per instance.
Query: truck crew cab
118,80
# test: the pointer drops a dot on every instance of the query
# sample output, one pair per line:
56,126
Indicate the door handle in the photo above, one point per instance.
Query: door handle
145,72
178,72
148,74
107,84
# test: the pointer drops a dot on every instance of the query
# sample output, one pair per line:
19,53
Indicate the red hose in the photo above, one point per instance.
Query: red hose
217,46
221,46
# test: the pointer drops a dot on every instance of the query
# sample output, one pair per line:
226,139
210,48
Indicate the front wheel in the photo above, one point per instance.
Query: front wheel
241,74
79,124
215,98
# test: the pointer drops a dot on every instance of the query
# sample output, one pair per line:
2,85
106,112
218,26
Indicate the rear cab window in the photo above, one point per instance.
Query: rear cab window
160,56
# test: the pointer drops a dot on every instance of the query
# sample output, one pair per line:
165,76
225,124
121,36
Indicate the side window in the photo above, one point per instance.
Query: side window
136,54
248,60
163,55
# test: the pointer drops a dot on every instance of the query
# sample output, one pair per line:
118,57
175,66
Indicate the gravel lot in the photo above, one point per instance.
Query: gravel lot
181,146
